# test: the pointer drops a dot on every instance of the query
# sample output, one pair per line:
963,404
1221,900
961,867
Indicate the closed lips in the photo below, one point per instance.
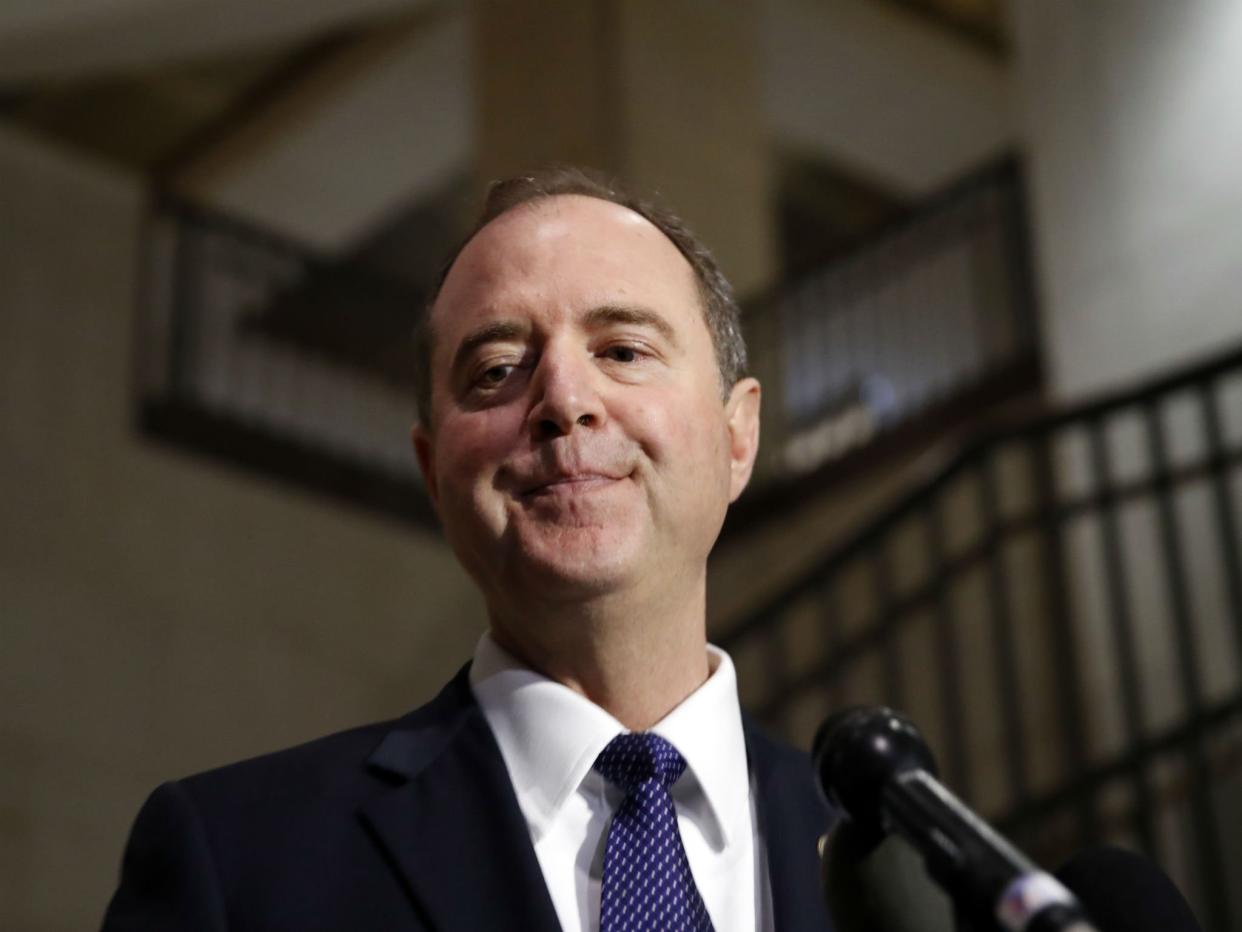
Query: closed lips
576,479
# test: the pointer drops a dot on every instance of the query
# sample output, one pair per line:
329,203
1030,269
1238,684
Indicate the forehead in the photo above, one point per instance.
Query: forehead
565,253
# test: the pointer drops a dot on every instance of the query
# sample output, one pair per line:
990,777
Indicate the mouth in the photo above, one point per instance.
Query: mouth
575,484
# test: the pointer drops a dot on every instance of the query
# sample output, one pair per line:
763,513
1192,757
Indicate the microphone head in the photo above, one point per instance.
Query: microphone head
1125,892
858,750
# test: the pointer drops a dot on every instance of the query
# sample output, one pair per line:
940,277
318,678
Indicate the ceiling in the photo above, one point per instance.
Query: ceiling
142,119
145,99
291,85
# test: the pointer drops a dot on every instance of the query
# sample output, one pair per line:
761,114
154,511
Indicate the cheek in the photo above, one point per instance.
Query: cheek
470,450
692,437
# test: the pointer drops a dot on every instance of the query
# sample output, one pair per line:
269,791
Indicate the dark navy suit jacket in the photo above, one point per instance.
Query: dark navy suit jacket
407,825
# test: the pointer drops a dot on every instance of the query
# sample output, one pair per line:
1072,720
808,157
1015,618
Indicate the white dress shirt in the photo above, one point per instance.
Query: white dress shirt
550,736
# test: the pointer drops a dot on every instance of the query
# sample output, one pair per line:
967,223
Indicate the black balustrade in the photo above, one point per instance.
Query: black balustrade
935,304
1127,738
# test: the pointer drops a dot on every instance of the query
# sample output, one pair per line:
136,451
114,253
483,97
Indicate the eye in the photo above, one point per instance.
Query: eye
622,353
494,375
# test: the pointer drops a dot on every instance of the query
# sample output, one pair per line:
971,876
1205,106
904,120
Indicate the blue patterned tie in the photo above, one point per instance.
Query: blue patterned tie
647,883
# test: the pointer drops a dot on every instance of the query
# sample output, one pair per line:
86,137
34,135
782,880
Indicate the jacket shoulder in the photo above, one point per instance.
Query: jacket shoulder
335,764
275,841
314,766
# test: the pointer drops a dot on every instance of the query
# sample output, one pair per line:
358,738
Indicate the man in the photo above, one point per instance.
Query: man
585,422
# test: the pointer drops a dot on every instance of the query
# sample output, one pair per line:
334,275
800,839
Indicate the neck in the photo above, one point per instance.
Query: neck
637,659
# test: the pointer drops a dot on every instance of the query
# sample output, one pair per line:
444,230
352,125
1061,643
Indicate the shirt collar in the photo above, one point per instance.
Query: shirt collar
550,736
707,729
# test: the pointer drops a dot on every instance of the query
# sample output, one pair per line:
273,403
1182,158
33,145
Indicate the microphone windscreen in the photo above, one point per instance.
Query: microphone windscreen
1125,892
880,887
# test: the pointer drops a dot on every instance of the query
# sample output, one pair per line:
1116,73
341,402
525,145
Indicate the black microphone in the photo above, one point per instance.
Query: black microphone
874,765
1125,892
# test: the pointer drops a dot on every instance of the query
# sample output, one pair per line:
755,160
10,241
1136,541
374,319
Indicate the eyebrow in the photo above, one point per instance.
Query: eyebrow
493,332
635,316
602,316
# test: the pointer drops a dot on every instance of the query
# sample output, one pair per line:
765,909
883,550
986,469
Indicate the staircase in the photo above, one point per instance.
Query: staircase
1058,604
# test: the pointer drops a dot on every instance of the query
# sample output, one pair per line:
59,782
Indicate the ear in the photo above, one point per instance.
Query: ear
742,416
424,450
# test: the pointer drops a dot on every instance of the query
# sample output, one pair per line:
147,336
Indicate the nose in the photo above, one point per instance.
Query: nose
566,395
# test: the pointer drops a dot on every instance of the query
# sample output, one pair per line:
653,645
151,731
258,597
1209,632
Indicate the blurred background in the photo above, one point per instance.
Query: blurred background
991,259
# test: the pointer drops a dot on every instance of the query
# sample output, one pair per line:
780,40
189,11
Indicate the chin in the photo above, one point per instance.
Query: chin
581,561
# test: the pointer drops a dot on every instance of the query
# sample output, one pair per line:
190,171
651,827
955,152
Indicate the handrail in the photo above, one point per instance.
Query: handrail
939,467
1058,552
937,301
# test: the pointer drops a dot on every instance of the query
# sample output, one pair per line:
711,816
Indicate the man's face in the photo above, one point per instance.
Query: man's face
578,441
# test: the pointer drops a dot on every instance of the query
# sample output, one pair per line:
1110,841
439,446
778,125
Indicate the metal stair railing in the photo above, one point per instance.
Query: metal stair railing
938,302
1059,605
241,356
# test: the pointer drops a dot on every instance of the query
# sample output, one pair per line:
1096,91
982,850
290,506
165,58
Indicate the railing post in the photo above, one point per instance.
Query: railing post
886,621
947,654
1122,631
1056,582
1226,517
1210,858
1001,617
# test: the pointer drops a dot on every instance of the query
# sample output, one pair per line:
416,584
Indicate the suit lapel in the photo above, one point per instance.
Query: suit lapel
791,819
451,827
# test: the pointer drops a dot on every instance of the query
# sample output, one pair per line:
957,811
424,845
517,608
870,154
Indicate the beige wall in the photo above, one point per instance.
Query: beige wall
665,96
889,96
159,613
1131,122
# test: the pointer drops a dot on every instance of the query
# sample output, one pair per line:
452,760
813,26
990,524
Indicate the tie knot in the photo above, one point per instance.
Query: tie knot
632,759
